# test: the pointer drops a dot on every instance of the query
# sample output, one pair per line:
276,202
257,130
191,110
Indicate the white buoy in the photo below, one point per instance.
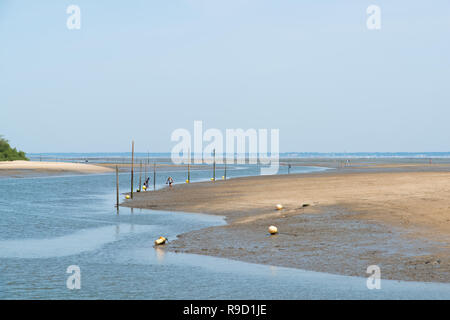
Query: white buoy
273,230
279,206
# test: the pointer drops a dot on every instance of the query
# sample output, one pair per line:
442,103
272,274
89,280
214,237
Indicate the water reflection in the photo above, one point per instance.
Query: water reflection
71,244
160,254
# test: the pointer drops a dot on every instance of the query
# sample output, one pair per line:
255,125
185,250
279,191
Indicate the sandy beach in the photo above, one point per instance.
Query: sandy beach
24,168
394,215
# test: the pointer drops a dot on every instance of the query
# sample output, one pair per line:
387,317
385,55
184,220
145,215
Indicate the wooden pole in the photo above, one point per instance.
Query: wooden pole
117,188
214,165
154,176
225,173
147,165
132,167
140,175
189,166
145,171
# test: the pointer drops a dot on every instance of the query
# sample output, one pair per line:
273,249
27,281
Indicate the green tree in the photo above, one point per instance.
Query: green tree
8,154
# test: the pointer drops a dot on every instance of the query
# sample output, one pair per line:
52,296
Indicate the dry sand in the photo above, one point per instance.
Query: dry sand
398,219
23,168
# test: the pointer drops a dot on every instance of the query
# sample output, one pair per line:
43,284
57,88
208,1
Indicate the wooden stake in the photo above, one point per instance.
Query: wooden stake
214,165
225,173
117,188
145,171
154,176
140,175
132,167
189,166
147,165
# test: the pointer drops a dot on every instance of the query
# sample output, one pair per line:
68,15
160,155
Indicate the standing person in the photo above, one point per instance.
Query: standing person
146,182
169,181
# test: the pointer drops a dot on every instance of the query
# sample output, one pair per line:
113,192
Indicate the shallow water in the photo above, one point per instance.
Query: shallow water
50,223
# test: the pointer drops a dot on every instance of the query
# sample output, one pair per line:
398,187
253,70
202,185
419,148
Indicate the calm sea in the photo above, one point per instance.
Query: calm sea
50,223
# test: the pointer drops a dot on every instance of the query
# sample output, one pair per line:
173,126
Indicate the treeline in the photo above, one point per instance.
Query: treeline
8,154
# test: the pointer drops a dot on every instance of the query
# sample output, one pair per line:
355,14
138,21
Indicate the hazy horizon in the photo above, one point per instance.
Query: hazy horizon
168,153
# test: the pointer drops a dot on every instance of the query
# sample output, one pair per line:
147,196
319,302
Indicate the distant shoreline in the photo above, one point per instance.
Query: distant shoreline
24,168
395,216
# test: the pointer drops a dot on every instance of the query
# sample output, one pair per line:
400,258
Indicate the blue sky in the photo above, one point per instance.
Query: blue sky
141,69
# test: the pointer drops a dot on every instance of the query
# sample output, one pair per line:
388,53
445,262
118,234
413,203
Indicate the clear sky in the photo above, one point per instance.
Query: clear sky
141,69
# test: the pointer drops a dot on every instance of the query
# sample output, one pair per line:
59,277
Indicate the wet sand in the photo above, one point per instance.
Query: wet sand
25,168
393,215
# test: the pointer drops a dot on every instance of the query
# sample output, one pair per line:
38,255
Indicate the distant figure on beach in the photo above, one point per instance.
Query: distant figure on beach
169,181
147,182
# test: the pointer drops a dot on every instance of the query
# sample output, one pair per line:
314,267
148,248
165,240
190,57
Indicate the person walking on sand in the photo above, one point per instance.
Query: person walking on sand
169,181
